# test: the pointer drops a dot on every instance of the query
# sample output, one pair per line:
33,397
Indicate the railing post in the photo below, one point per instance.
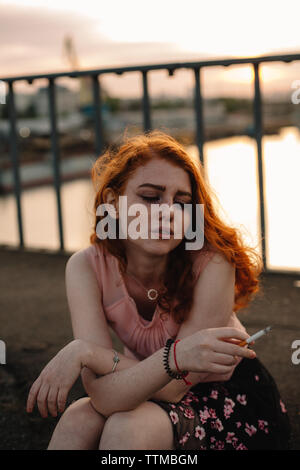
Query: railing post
55,157
198,105
98,121
14,153
258,137
146,103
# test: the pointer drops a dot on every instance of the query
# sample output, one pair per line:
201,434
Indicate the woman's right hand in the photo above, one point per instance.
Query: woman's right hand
51,388
214,350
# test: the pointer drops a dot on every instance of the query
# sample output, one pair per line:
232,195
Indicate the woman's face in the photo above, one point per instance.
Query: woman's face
157,182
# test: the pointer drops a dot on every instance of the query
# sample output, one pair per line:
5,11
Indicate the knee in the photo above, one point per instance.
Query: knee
81,415
122,431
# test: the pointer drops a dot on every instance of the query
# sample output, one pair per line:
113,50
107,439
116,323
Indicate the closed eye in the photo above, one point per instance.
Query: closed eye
155,200
150,199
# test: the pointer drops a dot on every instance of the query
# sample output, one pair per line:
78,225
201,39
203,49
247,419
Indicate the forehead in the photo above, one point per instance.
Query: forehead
161,172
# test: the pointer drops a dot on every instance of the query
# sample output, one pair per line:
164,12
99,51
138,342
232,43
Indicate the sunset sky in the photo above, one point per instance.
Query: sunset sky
119,32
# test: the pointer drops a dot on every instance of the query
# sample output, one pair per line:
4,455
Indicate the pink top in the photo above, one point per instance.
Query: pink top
141,338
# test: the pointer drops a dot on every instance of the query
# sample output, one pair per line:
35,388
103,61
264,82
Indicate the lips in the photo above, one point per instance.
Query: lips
162,231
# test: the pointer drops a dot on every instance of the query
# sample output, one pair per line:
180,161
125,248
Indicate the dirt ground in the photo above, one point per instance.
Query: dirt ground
35,324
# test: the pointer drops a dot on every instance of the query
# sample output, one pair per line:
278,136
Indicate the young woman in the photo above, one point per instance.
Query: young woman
151,291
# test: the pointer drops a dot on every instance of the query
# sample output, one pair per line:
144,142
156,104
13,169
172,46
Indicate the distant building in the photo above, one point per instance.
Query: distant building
23,101
66,100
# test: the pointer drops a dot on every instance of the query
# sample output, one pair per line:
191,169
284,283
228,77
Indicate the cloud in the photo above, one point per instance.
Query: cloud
32,42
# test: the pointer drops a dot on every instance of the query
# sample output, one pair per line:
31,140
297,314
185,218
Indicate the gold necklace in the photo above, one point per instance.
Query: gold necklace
152,293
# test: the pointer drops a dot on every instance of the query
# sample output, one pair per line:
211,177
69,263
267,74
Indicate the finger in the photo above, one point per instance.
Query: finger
228,332
41,400
233,350
224,359
33,394
232,340
52,401
62,399
220,369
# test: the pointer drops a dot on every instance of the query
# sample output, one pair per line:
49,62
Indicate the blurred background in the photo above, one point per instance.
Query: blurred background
221,77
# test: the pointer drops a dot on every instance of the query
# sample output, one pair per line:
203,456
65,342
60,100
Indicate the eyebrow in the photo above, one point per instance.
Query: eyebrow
162,188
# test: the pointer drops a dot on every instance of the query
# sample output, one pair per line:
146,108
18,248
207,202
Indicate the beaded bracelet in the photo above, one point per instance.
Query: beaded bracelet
172,374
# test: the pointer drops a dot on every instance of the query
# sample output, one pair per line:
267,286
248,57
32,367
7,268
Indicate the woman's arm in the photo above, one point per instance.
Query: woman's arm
205,351
212,307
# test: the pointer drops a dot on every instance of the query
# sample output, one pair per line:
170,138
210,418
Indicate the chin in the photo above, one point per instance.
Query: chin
158,247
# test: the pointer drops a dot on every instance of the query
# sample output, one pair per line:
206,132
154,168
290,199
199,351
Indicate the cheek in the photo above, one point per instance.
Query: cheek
181,222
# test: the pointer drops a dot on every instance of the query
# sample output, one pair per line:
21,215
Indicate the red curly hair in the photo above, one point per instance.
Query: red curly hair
115,167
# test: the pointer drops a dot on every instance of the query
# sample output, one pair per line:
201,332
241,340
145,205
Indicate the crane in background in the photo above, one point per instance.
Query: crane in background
85,87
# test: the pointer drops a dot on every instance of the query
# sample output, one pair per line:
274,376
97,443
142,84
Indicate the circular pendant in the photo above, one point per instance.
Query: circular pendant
152,294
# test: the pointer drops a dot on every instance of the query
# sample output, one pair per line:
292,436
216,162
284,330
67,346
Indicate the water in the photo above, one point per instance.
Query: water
232,173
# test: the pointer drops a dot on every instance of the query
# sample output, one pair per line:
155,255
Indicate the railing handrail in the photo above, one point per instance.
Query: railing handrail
168,66
195,66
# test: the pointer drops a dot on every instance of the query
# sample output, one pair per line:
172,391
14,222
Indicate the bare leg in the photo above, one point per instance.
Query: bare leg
79,428
147,427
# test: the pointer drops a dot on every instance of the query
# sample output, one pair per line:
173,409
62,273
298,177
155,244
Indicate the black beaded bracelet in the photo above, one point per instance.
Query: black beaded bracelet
172,374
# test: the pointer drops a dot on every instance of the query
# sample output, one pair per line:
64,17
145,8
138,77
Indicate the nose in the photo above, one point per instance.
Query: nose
170,212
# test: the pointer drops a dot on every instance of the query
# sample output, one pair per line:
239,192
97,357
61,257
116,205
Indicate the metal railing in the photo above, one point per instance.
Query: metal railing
196,67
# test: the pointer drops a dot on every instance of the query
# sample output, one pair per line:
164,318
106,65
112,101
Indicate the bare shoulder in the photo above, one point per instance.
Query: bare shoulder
79,260
213,296
218,265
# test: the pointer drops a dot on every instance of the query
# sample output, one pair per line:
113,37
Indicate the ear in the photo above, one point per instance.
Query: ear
110,197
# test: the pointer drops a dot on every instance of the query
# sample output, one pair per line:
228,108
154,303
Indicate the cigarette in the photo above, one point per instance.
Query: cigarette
255,336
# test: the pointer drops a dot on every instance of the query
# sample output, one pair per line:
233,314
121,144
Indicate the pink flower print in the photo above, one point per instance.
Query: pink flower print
229,437
228,407
189,413
229,402
241,447
200,433
219,445
283,409
184,438
187,401
242,399
172,406
250,429
191,395
217,424
256,378
238,424
204,415
262,425
212,439
212,413
174,417
204,398
214,394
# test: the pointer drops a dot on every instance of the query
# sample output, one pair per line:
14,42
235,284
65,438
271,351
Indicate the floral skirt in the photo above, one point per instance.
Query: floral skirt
244,413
